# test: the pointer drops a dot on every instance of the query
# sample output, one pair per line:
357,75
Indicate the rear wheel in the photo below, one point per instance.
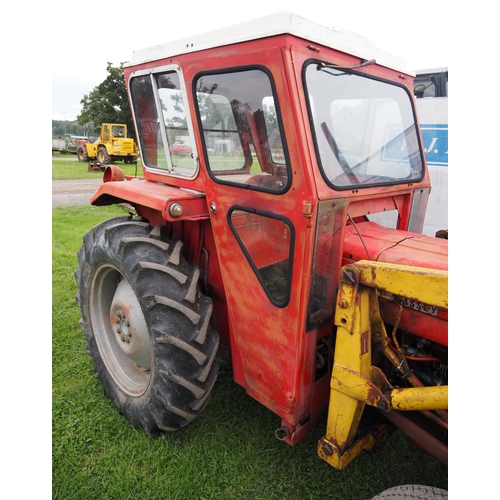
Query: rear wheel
102,155
146,324
82,154
412,492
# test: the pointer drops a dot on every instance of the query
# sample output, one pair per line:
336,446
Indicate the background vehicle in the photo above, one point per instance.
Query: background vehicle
58,145
431,83
267,255
111,146
69,144
431,90
178,148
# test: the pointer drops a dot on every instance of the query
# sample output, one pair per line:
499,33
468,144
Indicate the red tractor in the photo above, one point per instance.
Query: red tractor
265,244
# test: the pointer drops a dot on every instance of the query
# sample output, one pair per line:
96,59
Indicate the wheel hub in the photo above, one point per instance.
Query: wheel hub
129,326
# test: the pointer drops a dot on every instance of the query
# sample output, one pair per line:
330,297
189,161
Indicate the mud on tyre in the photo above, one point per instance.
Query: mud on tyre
146,323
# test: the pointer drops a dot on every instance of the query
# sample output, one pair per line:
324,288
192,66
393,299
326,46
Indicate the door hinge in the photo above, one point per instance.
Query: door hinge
307,208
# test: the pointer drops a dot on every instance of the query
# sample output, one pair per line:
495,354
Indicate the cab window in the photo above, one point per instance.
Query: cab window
118,131
364,129
164,126
241,129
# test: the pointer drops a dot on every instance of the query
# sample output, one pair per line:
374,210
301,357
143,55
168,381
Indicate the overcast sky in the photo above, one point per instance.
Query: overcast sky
86,36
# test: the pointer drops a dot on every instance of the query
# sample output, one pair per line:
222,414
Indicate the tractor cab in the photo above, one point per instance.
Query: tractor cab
304,155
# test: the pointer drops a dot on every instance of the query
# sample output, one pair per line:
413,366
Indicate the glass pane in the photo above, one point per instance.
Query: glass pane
327,260
118,131
150,138
424,88
175,121
364,129
275,146
166,142
241,129
267,242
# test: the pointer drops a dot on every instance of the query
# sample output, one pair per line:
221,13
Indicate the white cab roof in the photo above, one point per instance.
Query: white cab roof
283,22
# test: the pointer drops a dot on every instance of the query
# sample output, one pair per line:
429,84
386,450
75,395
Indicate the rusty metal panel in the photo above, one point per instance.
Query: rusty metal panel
158,197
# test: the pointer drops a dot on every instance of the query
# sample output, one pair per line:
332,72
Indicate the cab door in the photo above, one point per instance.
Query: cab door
259,213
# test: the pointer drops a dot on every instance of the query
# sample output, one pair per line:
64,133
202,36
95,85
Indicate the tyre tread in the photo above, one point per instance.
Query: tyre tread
183,344
412,492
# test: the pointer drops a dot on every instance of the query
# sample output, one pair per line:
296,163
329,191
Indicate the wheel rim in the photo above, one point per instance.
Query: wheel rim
100,156
120,330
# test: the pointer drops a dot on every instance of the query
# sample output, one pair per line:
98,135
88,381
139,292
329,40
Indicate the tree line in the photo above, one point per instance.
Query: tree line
61,127
105,103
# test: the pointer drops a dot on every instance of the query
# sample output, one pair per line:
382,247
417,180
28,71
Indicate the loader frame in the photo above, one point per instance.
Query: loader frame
356,381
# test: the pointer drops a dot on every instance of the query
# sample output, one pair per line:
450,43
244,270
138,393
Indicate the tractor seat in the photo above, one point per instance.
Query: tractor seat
274,182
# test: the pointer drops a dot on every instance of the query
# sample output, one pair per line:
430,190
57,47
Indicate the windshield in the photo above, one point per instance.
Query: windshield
364,129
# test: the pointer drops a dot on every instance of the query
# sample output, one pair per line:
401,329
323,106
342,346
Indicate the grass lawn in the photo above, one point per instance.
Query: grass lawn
229,452
66,166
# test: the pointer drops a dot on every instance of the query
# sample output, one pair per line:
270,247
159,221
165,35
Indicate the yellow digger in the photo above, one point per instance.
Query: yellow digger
111,146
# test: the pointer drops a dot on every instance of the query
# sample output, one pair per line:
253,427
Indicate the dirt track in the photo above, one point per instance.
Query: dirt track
74,192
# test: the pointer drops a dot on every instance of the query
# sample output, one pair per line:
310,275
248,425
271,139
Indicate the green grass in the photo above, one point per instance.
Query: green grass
65,166
229,452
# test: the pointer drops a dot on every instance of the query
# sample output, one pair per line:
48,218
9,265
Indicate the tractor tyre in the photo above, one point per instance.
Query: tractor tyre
82,154
146,324
412,492
102,155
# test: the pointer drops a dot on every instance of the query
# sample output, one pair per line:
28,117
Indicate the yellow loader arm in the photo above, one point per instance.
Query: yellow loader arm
357,382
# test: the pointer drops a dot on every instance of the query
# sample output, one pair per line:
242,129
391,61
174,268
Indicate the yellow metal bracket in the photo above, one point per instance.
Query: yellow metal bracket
355,381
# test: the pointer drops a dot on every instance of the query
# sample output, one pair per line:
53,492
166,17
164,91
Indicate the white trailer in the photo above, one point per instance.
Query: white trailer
58,145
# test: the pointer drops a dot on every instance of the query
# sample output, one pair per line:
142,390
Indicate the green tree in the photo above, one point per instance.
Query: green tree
108,102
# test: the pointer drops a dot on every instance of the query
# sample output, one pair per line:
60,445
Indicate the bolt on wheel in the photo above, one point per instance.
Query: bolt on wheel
147,324
120,330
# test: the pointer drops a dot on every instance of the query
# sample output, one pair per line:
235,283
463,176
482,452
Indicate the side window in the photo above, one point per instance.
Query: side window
164,127
242,132
433,84
267,241
118,131
424,86
105,133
